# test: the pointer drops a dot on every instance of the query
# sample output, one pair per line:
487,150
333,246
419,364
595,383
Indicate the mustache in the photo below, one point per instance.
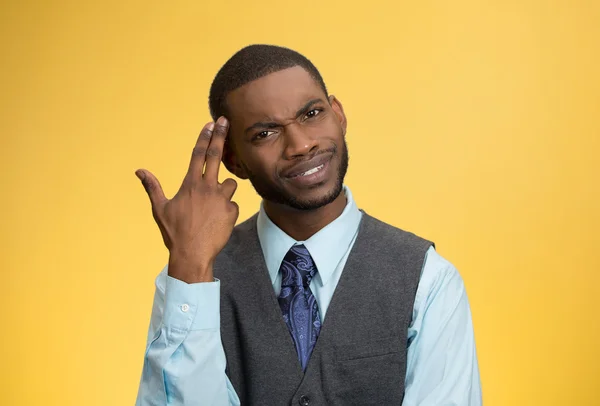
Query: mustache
331,150
305,162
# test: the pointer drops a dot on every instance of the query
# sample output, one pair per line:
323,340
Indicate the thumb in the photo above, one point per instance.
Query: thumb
152,187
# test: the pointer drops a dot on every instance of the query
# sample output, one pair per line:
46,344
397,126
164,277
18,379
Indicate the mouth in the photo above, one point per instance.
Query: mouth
313,175
316,164
309,172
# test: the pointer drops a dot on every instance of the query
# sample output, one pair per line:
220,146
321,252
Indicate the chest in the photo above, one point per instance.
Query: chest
360,354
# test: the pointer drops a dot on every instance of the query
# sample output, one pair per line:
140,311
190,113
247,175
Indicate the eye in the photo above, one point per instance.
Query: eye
313,113
263,134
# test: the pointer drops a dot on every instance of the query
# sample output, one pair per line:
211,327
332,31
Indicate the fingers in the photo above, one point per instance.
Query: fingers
214,153
152,187
199,154
228,187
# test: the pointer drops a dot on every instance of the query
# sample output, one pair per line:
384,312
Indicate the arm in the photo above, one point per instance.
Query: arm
442,362
184,362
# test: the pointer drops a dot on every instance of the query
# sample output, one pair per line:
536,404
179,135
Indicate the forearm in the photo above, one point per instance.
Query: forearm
184,362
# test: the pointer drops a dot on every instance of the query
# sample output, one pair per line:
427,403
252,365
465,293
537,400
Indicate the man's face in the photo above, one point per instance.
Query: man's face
287,137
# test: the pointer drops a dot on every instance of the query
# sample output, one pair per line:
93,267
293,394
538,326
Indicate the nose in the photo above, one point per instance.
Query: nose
299,142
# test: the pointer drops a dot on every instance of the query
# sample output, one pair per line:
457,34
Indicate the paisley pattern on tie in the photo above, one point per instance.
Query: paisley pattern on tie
298,305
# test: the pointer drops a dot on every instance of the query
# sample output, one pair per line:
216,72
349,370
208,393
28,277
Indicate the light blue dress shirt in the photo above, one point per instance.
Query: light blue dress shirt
185,363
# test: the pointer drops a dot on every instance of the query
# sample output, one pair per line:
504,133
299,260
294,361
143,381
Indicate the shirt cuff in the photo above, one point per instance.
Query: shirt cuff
193,306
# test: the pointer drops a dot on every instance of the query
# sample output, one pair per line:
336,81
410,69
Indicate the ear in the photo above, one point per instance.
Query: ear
336,105
231,161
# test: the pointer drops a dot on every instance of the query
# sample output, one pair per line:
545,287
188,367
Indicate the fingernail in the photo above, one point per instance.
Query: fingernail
222,121
211,126
140,174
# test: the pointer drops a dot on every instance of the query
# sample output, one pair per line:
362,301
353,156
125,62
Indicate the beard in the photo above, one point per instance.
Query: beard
276,194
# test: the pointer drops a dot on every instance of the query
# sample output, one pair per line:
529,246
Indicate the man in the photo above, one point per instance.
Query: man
311,301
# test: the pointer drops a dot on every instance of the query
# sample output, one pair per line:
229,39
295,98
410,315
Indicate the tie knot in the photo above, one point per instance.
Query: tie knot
298,267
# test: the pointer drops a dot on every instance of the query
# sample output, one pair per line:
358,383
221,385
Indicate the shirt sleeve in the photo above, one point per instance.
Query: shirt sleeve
442,364
184,363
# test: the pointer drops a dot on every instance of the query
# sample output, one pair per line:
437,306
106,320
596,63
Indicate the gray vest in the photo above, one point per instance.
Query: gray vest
360,355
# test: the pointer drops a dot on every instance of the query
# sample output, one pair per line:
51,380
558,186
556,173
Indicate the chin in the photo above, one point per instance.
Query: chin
320,197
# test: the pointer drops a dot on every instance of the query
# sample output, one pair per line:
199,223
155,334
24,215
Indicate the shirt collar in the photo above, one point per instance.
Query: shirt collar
327,247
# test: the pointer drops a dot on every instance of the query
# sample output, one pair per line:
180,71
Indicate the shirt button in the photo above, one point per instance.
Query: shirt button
304,400
185,307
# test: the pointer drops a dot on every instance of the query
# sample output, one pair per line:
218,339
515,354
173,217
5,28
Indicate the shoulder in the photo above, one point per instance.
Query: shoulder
242,250
388,232
242,233
246,225
438,275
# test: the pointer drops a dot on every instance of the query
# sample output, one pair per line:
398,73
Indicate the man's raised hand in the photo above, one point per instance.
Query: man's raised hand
197,222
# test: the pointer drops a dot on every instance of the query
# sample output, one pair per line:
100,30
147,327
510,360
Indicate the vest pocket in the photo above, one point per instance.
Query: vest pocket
367,373
371,349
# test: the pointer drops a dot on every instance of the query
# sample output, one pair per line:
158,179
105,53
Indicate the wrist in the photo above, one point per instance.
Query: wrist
190,270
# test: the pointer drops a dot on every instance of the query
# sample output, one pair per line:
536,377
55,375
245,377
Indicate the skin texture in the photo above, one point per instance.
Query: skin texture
294,130
197,222
279,125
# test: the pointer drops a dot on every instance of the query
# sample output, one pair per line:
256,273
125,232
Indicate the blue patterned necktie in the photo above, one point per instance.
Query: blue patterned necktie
298,305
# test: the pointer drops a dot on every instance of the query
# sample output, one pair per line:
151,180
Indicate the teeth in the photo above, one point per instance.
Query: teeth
310,172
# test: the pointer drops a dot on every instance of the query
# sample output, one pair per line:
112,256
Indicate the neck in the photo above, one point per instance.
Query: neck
303,224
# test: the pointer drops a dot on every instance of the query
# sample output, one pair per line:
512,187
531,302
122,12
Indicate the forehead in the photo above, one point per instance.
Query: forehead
275,96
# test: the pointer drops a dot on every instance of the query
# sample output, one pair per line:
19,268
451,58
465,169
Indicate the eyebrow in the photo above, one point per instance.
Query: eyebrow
301,111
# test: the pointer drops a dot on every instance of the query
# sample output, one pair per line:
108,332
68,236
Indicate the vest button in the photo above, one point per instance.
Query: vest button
304,400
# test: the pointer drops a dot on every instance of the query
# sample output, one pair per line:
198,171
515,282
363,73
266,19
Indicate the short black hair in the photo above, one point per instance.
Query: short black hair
251,63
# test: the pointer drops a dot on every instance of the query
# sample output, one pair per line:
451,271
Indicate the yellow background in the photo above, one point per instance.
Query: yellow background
475,124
